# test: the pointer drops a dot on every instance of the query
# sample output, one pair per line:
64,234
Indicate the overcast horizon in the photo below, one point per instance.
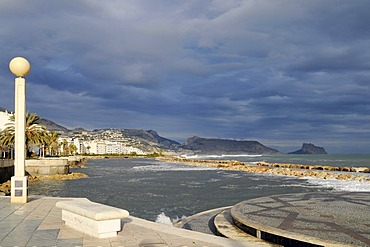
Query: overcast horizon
280,72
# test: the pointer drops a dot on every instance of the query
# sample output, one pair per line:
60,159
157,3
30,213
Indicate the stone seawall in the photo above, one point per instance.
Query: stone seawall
47,166
38,169
6,170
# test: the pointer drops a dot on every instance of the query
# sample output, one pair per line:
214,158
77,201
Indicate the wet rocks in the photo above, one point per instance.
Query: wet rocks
69,176
296,170
317,167
5,189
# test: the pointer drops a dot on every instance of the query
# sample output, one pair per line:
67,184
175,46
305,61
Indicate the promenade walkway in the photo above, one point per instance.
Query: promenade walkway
308,219
39,223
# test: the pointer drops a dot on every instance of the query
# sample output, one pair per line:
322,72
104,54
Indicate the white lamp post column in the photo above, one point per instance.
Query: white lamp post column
20,67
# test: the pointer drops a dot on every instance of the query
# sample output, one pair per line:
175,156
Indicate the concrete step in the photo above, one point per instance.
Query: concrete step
224,225
201,222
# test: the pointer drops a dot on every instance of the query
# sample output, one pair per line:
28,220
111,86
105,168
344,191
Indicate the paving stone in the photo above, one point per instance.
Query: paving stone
44,238
38,223
94,242
152,243
69,233
69,242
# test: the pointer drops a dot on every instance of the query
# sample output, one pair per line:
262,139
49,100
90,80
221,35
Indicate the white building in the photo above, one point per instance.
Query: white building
113,147
95,147
79,145
61,140
129,150
109,147
4,119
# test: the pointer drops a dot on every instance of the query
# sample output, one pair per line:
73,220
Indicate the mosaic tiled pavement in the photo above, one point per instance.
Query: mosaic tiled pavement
322,219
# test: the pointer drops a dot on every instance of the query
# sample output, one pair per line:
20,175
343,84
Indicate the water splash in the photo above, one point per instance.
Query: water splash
164,219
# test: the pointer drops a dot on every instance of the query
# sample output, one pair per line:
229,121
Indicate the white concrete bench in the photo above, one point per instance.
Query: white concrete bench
94,219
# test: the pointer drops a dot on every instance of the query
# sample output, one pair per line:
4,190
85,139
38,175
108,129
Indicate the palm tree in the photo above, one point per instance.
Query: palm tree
72,149
52,142
35,133
65,147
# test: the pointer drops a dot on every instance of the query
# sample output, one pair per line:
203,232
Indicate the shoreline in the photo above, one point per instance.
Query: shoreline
282,169
5,187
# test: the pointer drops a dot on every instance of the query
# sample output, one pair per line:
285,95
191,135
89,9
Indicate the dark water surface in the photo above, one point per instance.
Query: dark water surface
147,188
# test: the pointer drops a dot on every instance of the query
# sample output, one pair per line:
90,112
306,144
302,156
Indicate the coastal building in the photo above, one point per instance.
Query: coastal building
113,148
79,145
130,150
116,147
110,141
95,147
4,119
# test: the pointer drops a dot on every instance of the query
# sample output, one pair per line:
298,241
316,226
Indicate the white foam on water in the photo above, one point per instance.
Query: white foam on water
230,187
171,167
219,156
235,175
193,184
164,219
340,185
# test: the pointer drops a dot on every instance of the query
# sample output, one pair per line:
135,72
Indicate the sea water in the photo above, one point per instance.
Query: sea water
153,190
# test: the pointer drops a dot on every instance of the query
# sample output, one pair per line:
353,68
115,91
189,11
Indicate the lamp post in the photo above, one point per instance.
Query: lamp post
20,67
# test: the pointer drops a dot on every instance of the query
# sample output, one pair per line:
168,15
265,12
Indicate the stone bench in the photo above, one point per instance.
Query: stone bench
94,219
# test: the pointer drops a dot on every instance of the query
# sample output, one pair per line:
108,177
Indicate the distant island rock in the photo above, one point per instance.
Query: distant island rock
223,146
308,148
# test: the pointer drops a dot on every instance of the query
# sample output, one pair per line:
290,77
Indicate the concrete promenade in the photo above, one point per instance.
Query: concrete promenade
39,223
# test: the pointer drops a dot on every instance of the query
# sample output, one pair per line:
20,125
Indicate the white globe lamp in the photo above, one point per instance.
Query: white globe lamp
20,67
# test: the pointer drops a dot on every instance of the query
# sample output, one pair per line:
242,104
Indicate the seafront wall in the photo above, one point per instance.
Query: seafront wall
6,170
40,167
47,166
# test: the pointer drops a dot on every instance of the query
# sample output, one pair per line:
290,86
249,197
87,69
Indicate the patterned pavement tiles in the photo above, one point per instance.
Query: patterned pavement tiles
314,219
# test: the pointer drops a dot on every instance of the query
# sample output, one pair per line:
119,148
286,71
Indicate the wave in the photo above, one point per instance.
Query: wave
340,185
164,219
171,167
219,156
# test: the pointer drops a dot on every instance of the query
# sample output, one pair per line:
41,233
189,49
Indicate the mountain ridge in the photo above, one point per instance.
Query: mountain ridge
150,139
224,146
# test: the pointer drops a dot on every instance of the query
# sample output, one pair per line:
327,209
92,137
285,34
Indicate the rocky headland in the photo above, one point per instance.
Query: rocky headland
206,146
296,170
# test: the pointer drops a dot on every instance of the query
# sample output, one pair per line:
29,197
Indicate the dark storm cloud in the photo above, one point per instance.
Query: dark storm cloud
281,72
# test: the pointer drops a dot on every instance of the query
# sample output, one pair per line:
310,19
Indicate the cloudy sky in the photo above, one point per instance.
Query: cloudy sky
281,72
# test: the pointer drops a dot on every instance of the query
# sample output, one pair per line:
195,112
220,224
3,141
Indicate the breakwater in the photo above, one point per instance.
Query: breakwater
296,170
